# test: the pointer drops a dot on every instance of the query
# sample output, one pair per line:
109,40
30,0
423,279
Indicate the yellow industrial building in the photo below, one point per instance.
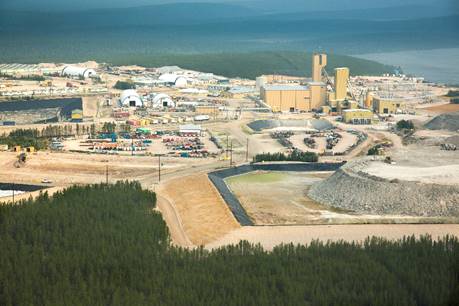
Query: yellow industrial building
358,116
313,96
386,106
294,98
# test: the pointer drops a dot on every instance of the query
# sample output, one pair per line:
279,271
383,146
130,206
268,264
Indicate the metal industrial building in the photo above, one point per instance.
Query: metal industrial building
293,98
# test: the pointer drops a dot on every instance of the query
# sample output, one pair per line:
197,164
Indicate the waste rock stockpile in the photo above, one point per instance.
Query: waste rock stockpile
444,122
353,189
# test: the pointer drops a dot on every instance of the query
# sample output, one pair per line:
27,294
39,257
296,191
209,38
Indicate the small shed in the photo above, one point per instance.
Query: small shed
190,130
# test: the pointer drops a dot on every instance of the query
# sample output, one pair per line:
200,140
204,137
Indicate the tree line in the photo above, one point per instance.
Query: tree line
39,138
295,155
106,245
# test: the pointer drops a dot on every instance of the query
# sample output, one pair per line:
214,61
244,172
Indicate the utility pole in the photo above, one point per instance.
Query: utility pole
231,154
159,168
132,146
226,146
247,151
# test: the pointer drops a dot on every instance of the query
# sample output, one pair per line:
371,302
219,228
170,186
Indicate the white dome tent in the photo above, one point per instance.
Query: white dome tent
174,80
162,101
78,72
130,98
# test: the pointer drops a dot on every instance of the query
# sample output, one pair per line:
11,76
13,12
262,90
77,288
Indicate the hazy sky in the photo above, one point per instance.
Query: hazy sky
281,5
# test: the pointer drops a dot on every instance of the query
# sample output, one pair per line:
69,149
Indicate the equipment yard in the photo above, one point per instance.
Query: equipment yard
170,128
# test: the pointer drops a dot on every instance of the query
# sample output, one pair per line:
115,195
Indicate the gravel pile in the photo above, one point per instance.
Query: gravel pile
317,124
351,189
448,121
452,140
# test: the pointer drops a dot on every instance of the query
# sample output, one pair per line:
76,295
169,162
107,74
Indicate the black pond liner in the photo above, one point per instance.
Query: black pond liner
21,187
217,178
66,105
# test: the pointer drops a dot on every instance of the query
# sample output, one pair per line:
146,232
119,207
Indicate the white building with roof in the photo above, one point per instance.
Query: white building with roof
78,72
130,98
162,101
173,80
190,129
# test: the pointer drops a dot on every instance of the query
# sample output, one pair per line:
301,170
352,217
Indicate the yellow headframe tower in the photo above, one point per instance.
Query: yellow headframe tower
341,83
319,61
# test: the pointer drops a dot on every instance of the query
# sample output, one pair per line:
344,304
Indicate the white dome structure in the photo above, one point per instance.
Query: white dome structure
162,100
130,98
78,72
174,80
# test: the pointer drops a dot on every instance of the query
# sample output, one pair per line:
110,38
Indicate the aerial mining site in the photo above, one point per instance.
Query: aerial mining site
274,160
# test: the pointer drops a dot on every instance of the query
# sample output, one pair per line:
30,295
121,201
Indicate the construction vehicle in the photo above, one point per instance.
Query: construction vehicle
21,160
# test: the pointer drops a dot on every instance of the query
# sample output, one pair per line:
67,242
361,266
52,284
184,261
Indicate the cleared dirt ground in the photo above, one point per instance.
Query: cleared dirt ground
271,236
281,198
203,214
443,108
276,198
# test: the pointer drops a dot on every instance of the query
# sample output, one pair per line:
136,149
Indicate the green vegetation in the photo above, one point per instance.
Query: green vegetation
25,138
123,85
405,125
375,150
40,138
257,177
253,64
106,245
109,127
453,93
294,156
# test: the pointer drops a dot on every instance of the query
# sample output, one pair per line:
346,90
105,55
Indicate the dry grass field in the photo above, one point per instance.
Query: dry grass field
203,214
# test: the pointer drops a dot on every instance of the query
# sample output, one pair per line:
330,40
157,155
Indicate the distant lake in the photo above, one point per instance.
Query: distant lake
438,65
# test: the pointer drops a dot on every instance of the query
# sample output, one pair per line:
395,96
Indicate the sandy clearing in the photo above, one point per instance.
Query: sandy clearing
445,175
270,236
204,215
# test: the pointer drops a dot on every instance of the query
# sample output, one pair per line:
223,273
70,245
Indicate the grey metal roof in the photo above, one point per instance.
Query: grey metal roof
285,87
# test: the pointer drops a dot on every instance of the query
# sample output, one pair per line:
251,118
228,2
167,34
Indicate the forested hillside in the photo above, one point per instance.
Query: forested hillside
106,245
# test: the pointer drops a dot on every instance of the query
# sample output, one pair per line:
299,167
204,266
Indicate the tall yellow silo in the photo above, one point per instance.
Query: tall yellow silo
369,100
341,82
319,61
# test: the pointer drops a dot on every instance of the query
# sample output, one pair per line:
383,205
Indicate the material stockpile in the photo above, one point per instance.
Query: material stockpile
448,122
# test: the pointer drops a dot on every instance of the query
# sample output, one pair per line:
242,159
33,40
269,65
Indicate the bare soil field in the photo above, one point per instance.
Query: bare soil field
64,169
281,198
203,214
271,236
276,198
443,108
